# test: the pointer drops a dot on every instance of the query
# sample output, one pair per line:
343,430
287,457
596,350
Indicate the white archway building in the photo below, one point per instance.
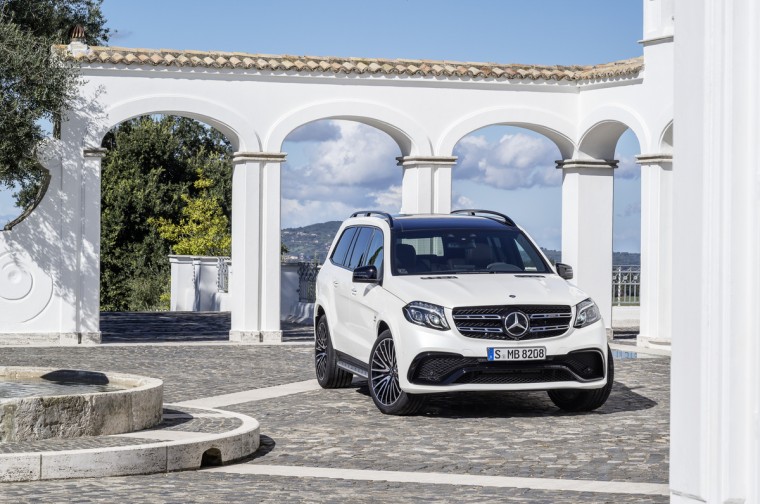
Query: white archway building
49,263
52,258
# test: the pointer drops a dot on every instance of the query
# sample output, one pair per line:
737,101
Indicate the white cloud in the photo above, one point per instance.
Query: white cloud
631,210
388,200
516,160
301,213
317,131
333,178
627,168
461,201
361,156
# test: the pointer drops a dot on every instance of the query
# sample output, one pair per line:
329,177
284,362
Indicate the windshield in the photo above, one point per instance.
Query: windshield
441,251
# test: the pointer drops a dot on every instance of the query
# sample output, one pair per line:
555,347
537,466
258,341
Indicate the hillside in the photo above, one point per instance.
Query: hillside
312,242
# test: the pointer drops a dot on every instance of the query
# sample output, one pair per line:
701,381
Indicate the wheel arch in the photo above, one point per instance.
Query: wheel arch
381,327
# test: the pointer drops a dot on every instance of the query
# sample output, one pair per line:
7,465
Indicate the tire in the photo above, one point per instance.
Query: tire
383,382
329,375
576,400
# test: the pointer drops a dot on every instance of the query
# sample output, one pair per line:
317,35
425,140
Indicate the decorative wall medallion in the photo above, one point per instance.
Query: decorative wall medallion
25,290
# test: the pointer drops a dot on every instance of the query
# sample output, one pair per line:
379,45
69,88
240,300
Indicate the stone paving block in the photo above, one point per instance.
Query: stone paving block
122,461
19,467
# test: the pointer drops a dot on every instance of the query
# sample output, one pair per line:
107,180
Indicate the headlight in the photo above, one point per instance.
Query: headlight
586,313
426,314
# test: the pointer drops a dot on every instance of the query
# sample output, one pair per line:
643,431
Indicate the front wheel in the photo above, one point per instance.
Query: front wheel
585,400
329,375
383,380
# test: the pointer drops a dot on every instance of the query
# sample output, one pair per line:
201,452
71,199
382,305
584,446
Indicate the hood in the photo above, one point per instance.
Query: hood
485,289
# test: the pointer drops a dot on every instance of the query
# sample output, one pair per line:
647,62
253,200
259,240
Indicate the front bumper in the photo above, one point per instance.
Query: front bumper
433,368
437,361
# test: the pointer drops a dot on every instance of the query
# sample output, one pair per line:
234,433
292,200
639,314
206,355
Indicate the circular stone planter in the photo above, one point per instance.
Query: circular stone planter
136,406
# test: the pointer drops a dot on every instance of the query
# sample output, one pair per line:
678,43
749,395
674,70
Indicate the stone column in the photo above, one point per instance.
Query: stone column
587,228
715,377
656,249
426,184
88,295
255,275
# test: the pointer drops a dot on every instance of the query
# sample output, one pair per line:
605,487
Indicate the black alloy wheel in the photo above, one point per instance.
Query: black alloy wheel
329,375
384,385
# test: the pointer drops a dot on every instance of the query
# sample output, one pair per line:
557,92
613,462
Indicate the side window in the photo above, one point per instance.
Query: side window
338,256
360,248
375,251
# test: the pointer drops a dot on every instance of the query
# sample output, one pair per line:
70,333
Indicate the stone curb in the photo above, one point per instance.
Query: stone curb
146,458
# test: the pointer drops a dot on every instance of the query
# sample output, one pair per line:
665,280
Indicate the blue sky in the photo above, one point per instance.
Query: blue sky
506,169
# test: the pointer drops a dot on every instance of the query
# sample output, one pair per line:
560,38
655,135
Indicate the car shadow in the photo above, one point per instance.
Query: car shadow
518,404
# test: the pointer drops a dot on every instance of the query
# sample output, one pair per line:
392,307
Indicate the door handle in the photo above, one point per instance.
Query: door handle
335,283
353,291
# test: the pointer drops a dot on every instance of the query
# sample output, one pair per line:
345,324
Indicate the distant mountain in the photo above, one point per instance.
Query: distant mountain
310,243
618,258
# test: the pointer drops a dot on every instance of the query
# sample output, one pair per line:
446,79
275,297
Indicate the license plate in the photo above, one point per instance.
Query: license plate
516,354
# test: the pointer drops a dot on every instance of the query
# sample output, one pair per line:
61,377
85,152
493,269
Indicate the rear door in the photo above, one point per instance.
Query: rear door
332,275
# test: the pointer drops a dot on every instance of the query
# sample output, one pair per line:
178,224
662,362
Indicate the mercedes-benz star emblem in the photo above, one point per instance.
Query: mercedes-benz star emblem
516,324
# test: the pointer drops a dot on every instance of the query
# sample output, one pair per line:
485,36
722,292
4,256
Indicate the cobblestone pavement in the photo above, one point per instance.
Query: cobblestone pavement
203,486
188,371
518,434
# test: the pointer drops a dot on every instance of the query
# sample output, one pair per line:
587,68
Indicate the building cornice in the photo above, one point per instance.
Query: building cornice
656,40
647,159
597,164
260,157
332,65
426,160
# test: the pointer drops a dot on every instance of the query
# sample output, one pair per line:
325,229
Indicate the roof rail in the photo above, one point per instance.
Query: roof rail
489,214
370,213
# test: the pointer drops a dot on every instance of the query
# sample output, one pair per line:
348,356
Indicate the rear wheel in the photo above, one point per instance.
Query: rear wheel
329,375
585,400
383,380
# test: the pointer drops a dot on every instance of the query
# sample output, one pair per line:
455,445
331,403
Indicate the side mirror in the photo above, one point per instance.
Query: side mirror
565,271
365,274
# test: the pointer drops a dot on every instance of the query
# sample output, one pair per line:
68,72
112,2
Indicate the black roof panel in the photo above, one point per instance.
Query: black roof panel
443,221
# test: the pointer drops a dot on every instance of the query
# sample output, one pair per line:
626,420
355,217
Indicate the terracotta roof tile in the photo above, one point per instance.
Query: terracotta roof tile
168,57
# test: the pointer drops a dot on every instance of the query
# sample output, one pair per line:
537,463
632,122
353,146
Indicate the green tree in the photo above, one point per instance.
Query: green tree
35,85
151,163
203,229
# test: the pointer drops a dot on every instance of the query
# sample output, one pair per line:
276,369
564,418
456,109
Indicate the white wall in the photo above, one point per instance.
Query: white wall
715,406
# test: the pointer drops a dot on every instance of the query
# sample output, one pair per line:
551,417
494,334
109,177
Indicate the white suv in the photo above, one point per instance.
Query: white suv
419,304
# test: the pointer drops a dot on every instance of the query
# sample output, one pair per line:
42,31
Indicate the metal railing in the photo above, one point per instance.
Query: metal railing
626,282
626,285
307,282
223,274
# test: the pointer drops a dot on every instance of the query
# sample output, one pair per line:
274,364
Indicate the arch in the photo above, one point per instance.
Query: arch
235,127
666,139
601,130
411,138
551,125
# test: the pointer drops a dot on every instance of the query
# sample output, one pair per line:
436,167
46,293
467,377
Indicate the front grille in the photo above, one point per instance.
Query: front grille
487,322
448,369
